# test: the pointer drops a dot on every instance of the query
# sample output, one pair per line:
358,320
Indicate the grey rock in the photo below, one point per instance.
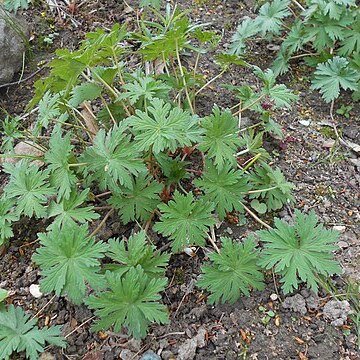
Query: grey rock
134,345
28,148
167,355
187,350
126,354
12,45
198,312
295,303
150,355
337,312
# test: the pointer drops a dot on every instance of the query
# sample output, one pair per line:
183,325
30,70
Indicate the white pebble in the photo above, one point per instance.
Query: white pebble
273,297
35,291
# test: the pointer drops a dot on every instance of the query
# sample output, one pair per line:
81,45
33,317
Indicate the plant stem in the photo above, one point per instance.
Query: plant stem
256,217
298,5
254,159
183,78
102,223
211,81
212,239
242,152
260,190
249,106
76,165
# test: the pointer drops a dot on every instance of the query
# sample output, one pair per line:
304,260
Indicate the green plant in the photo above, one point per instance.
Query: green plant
333,74
300,253
69,259
7,217
131,301
324,33
136,252
224,188
344,110
272,188
28,188
185,220
15,5
126,144
234,271
19,333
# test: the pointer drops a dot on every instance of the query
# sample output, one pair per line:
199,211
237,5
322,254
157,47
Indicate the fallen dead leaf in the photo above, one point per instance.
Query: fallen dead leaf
299,341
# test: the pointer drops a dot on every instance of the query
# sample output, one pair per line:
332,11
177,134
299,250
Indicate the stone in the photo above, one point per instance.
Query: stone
187,350
150,355
295,303
13,30
337,312
23,148
127,354
34,290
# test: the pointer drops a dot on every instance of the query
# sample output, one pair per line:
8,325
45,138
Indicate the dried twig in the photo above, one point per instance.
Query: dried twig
256,217
102,223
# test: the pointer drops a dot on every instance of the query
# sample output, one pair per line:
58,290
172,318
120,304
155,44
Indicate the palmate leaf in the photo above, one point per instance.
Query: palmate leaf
271,15
10,131
28,187
185,220
326,31
68,211
234,271
154,3
19,333
271,186
351,42
162,128
69,259
58,157
225,188
333,75
296,38
139,202
300,253
7,217
113,159
136,252
166,44
143,90
15,5
83,92
278,93
221,138
48,109
132,301
245,30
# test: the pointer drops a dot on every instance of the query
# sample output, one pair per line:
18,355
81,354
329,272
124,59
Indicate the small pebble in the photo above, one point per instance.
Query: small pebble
35,291
340,228
343,244
305,122
150,355
273,297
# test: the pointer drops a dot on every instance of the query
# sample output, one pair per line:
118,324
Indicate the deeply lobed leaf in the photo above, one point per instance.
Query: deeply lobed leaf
185,220
69,259
234,271
131,301
300,253
19,333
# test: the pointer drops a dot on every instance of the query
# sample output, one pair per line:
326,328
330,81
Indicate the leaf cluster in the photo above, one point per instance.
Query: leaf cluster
19,333
331,28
